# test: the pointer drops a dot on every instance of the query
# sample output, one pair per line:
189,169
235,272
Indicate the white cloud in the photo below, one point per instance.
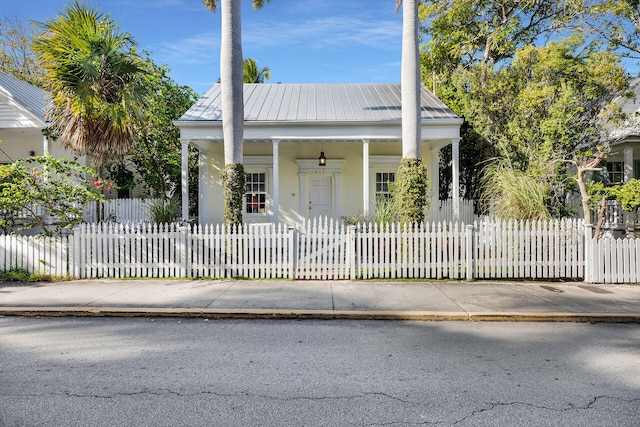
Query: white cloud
325,31
198,49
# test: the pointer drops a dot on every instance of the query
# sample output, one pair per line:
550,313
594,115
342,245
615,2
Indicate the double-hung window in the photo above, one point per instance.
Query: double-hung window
256,193
383,184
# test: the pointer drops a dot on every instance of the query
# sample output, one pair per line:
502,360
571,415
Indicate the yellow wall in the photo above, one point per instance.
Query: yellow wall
350,192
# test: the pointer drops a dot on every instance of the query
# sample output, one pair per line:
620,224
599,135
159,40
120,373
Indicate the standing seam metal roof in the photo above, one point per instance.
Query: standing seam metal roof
30,97
318,103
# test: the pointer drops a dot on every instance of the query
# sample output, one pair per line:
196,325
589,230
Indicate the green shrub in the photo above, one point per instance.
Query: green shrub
511,193
628,194
22,275
164,211
410,191
233,186
385,210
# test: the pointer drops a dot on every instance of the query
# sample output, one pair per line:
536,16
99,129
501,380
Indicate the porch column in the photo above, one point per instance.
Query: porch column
185,181
337,177
628,164
45,145
366,185
435,179
276,183
302,195
455,177
630,217
203,186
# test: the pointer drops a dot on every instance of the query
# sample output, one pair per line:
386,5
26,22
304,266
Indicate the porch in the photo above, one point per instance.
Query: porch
357,128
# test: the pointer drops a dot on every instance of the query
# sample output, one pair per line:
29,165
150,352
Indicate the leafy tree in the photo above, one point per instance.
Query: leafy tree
16,57
482,35
36,189
94,74
231,79
551,106
487,32
252,74
615,21
157,152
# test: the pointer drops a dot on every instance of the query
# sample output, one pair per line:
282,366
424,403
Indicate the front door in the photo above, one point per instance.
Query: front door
320,197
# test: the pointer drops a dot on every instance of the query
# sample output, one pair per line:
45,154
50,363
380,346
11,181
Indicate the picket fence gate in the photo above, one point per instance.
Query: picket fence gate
612,260
328,250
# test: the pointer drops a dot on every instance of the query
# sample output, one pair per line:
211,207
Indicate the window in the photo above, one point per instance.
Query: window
383,179
124,193
615,172
256,193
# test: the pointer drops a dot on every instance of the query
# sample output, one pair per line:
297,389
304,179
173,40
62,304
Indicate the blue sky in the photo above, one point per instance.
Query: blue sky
301,41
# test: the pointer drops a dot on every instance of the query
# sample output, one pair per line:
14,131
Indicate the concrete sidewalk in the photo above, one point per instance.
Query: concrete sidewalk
476,301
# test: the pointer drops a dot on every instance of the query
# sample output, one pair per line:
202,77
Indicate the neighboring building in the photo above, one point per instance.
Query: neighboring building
22,118
357,127
623,163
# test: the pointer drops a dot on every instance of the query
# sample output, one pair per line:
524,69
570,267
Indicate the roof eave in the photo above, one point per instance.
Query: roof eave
218,123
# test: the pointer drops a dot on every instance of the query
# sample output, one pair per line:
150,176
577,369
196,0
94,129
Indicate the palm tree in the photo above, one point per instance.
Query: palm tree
252,74
231,80
411,186
94,75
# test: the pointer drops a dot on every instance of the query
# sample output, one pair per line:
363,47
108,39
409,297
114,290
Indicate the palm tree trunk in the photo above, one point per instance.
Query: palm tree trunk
411,185
410,81
231,80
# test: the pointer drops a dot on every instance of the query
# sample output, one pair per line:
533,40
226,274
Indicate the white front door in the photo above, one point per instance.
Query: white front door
320,196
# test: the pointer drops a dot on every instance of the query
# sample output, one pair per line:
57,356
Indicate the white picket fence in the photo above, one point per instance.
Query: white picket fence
613,260
331,251
120,210
35,254
529,249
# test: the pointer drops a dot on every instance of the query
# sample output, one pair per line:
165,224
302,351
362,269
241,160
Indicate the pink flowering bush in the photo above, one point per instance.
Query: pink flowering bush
102,185
46,192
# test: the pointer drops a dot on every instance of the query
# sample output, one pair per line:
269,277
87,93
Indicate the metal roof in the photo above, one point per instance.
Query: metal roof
30,97
318,103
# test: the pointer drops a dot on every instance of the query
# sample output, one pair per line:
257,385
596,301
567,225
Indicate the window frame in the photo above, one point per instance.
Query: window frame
619,171
382,172
264,192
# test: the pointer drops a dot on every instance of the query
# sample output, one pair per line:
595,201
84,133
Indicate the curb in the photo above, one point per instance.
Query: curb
209,313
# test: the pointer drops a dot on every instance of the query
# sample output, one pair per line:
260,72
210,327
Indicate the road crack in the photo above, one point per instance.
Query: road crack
571,407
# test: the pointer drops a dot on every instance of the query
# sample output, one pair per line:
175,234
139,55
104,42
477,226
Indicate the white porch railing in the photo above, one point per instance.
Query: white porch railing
615,218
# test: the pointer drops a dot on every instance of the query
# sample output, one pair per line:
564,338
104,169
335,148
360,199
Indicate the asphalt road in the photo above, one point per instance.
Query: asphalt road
171,372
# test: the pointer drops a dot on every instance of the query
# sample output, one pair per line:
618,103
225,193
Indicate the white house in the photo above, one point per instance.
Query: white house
356,127
22,118
623,163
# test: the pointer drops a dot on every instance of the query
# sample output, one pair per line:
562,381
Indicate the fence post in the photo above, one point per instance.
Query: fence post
588,253
351,252
469,251
74,252
183,248
293,254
